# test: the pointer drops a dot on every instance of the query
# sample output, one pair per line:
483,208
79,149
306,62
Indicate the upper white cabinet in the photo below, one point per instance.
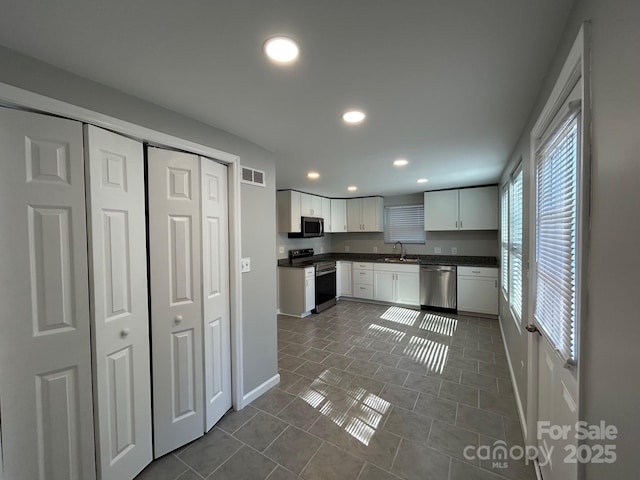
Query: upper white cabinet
365,214
338,215
462,209
288,211
326,214
310,205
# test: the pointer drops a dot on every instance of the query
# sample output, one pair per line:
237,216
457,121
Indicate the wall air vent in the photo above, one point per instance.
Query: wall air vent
253,177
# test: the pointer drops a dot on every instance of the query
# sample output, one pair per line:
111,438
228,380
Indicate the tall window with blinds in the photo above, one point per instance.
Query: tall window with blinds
557,163
404,223
515,244
504,238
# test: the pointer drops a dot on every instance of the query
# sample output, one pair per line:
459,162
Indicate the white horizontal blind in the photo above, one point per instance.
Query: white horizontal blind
515,244
504,236
404,223
556,228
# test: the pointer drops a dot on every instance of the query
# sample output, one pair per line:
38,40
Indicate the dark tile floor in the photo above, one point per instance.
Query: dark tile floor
368,392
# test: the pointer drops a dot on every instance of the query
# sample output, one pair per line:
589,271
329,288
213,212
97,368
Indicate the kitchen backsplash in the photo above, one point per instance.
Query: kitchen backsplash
472,243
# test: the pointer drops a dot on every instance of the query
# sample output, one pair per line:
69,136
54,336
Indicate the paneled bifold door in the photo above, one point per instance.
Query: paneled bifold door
119,307
189,296
45,358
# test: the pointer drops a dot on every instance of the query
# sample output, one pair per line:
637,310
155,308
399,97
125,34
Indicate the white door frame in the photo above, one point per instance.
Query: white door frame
20,98
576,66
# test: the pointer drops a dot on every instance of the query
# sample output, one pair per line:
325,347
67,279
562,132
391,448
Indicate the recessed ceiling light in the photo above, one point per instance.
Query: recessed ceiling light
352,188
313,175
353,116
422,180
281,50
401,162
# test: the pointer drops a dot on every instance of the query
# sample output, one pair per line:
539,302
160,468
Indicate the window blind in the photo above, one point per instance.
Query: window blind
556,228
404,223
504,236
515,244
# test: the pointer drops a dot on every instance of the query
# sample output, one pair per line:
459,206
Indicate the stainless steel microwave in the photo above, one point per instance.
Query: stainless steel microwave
309,227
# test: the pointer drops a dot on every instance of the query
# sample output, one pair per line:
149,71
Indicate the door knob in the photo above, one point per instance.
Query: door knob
178,319
125,332
531,328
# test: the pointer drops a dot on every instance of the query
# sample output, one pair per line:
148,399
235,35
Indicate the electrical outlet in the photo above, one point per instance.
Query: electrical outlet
454,251
437,250
375,249
281,249
321,249
245,264
347,248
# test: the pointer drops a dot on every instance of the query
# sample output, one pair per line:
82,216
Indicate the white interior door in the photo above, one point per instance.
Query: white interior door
120,319
45,359
176,302
215,288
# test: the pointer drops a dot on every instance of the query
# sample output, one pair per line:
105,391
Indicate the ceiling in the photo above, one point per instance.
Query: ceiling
446,84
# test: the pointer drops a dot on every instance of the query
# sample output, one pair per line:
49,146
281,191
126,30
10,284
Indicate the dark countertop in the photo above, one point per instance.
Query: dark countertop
458,260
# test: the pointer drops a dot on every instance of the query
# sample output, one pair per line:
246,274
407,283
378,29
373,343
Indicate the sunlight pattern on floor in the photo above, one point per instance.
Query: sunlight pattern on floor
439,324
432,355
405,316
378,331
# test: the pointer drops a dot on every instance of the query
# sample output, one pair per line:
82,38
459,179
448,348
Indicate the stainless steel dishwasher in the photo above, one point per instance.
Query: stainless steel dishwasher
438,287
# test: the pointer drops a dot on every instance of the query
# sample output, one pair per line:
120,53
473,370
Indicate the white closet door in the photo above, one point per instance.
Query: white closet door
215,287
45,358
120,320
176,298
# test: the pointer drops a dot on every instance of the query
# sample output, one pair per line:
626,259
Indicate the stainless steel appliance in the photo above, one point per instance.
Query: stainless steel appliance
438,288
309,227
325,277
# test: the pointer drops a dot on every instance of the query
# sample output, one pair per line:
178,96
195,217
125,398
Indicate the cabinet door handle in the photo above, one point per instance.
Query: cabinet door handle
456,223
460,223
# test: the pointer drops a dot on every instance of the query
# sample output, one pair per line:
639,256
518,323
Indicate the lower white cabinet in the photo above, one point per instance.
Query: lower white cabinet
297,291
344,286
478,290
363,280
396,283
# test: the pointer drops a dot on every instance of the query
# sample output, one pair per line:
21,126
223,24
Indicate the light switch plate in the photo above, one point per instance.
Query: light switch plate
346,248
375,249
245,264
280,249
454,251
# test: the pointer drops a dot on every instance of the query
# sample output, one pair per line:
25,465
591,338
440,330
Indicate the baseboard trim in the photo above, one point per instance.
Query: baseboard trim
521,414
259,390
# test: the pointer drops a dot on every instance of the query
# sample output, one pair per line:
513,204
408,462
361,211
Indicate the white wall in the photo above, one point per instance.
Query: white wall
610,329
258,209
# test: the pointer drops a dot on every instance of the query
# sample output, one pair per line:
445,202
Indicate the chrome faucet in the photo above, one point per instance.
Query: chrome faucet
401,249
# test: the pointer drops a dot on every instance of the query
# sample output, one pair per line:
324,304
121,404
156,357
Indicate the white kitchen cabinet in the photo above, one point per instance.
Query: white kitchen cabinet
296,291
365,214
396,283
326,214
310,205
479,208
362,280
344,287
461,209
478,290
288,211
338,215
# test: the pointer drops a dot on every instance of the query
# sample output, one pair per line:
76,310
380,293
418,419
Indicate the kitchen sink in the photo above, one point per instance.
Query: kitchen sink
401,260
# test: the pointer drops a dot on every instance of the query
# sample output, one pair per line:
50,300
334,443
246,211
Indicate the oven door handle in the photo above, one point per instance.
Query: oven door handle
328,272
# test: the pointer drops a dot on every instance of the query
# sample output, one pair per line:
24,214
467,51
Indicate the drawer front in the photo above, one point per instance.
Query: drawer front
478,272
364,277
363,291
363,265
309,272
